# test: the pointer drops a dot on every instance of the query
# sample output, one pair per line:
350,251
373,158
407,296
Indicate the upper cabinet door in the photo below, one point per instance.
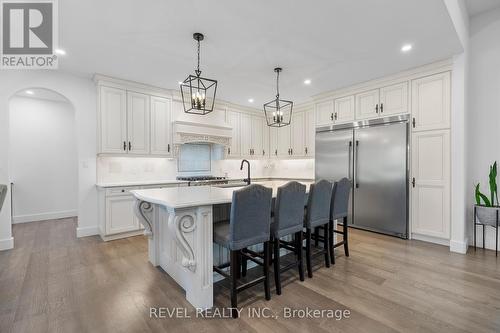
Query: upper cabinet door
431,102
161,124
266,148
284,142
257,136
343,109
233,119
113,120
310,133
298,140
273,142
394,99
138,123
246,134
367,104
324,113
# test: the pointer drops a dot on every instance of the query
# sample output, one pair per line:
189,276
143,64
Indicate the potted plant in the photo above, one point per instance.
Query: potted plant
487,208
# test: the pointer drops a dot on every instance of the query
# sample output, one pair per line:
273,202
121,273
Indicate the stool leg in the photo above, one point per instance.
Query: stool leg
346,237
326,244
300,260
330,236
316,236
496,238
234,272
276,262
238,264
483,236
244,262
266,271
308,253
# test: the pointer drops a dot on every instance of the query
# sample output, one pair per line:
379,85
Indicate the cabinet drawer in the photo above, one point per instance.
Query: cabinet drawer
120,190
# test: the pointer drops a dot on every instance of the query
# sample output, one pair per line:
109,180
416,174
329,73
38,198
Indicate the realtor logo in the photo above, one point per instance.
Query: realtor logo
29,34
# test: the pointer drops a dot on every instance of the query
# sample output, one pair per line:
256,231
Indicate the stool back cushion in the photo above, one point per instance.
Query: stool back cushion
250,216
340,198
289,209
318,204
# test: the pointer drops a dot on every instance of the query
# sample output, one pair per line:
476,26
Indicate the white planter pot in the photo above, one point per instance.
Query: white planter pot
487,215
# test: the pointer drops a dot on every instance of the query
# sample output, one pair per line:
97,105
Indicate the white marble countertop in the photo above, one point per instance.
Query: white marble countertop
174,182
183,197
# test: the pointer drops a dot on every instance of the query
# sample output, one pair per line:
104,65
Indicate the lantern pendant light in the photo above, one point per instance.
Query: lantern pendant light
198,93
278,111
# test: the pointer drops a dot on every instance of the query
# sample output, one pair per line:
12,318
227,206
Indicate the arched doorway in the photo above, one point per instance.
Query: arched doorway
43,160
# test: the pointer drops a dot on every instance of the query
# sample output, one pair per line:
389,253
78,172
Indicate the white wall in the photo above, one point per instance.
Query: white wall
483,118
81,93
42,159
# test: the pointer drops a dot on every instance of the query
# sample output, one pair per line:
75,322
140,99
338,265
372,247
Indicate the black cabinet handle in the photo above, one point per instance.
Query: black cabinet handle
129,145
168,147
376,108
413,122
381,107
305,149
413,182
229,151
124,145
331,116
291,151
263,152
335,116
276,152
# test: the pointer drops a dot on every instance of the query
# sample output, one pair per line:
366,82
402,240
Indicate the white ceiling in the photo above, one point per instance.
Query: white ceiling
475,7
332,42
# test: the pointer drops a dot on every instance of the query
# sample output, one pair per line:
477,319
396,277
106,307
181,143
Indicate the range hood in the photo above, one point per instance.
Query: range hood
194,132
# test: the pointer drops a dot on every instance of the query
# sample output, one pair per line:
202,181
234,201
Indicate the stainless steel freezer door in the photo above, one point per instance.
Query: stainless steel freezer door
334,157
380,190
333,154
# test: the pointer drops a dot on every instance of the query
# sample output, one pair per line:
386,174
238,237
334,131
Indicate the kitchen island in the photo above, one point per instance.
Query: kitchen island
179,224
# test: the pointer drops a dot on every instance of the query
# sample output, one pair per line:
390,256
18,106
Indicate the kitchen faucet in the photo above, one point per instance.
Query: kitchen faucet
248,170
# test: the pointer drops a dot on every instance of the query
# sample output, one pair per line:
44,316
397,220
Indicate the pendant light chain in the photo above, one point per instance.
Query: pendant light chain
278,85
198,72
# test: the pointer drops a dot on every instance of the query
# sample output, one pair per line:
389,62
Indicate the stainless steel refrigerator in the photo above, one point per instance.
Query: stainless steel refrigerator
374,155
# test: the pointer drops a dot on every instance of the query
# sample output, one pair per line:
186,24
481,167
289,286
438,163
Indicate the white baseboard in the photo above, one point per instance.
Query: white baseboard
458,247
431,239
87,231
44,216
6,244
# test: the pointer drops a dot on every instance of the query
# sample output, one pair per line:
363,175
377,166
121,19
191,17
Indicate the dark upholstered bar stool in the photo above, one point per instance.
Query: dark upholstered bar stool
318,215
339,210
288,220
249,224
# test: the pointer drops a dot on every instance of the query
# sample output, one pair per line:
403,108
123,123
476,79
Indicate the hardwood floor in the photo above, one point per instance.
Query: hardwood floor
53,282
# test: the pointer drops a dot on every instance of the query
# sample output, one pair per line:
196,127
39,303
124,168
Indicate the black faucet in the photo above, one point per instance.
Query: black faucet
241,168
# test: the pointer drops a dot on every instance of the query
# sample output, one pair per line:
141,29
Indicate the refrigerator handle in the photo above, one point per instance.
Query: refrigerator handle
356,163
349,161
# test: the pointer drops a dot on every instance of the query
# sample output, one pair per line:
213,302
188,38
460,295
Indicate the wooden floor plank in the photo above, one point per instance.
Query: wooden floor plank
54,282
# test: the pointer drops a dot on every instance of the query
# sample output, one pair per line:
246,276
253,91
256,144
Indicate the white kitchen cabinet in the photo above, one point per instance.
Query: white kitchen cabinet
265,140
284,141
113,120
431,183
298,134
120,215
273,142
246,134
161,126
431,102
233,119
310,136
343,109
394,99
138,123
257,137
324,113
367,104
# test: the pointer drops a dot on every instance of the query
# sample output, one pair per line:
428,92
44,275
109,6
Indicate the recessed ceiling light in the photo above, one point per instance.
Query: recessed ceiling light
307,81
60,52
406,48
30,92
250,100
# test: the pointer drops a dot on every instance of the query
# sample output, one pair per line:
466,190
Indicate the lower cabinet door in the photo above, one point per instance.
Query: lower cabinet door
431,183
120,216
